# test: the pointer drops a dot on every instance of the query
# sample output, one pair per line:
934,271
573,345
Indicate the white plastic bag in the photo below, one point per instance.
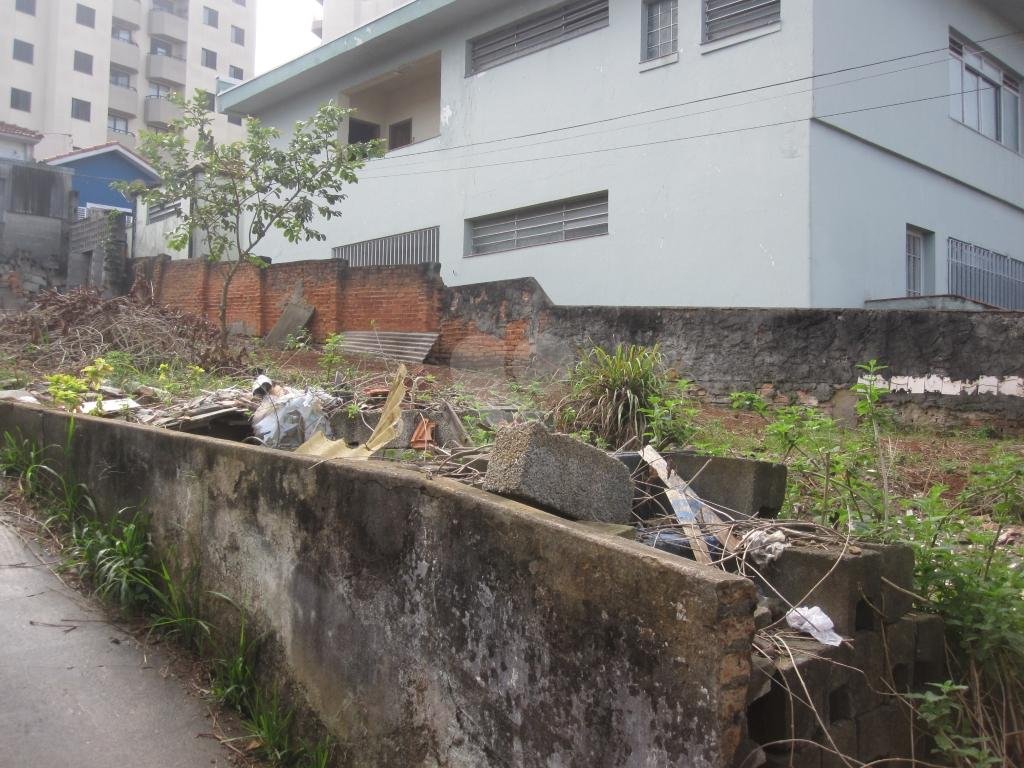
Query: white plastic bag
290,419
814,622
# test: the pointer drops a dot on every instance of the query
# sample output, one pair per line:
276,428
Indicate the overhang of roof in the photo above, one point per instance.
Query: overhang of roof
405,27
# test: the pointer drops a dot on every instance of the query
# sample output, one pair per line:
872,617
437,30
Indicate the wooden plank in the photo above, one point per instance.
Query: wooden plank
681,506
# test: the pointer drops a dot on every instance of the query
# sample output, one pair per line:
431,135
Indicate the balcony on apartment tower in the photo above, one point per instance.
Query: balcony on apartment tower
128,11
168,20
402,107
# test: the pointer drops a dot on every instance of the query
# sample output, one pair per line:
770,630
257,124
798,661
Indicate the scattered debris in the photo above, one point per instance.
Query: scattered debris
109,407
288,417
320,445
764,546
18,395
423,436
63,332
814,622
391,345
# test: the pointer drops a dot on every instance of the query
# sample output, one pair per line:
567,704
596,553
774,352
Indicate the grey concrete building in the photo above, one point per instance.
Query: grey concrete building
779,153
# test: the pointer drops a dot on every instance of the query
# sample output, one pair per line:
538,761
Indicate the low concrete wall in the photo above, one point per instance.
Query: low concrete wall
432,624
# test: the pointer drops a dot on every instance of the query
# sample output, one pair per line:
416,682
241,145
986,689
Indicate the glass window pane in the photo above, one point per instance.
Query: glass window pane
956,86
989,109
971,83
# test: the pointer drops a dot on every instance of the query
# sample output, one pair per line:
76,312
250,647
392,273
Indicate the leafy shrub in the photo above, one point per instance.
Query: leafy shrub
671,418
67,390
332,358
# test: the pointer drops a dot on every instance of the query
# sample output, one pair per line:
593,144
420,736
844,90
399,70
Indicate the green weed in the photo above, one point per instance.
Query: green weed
176,608
270,723
609,392
332,357
233,682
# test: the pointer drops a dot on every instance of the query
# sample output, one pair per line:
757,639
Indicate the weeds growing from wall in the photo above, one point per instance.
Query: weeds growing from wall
114,556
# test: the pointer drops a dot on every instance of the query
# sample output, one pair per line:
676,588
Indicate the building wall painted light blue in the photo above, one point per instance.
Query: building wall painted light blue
734,177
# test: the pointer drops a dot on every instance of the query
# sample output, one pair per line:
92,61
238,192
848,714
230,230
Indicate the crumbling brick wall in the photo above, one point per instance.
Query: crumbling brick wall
406,298
512,325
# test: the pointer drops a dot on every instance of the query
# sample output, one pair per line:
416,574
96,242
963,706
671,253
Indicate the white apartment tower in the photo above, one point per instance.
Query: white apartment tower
86,73
342,16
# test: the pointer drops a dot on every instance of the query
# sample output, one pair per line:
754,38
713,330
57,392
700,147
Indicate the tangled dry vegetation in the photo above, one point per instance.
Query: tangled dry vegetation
64,332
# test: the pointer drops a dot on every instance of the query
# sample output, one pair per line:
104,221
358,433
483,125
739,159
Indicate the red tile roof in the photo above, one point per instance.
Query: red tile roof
83,150
16,130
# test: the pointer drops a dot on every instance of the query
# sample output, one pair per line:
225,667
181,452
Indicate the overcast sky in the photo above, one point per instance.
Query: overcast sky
283,31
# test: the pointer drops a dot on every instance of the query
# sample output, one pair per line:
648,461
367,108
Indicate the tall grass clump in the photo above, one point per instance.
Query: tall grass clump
609,393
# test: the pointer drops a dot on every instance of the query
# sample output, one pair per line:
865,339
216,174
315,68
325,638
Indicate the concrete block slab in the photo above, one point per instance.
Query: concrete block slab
742,485
897,568
847,585
560,474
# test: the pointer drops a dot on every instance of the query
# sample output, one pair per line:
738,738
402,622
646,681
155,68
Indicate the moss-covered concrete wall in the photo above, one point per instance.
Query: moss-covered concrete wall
431,624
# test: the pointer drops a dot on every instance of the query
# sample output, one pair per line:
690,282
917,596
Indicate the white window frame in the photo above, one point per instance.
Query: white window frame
970,61
646,47
114,124
916,242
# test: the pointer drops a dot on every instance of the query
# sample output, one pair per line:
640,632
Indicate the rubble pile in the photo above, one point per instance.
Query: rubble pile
63,332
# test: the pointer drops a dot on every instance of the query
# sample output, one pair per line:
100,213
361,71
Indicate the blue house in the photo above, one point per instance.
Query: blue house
96,168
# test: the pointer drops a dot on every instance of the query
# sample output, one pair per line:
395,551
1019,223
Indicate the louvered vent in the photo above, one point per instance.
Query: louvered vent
723,18
419,247
541,224
541,30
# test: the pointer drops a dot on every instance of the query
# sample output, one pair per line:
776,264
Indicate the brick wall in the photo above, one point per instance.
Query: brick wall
345,299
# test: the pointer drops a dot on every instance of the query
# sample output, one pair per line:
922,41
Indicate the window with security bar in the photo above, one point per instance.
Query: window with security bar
661,28
986,276
915,262
534,33
725,18
983,94
557,222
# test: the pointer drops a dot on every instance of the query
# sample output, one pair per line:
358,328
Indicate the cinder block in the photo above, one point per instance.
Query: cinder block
755,488
843,735
560,474
897,568
870,675
884,732
843,586
742,485
929,649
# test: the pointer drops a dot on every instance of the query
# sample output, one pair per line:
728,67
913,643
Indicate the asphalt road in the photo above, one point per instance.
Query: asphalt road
76,691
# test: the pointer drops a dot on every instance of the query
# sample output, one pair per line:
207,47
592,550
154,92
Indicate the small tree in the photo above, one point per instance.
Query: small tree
238,193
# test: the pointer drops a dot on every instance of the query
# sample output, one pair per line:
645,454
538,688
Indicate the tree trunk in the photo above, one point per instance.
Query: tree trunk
223,308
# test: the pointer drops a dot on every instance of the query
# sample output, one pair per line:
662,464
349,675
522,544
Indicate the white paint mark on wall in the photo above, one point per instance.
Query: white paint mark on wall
446,115
1007,386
